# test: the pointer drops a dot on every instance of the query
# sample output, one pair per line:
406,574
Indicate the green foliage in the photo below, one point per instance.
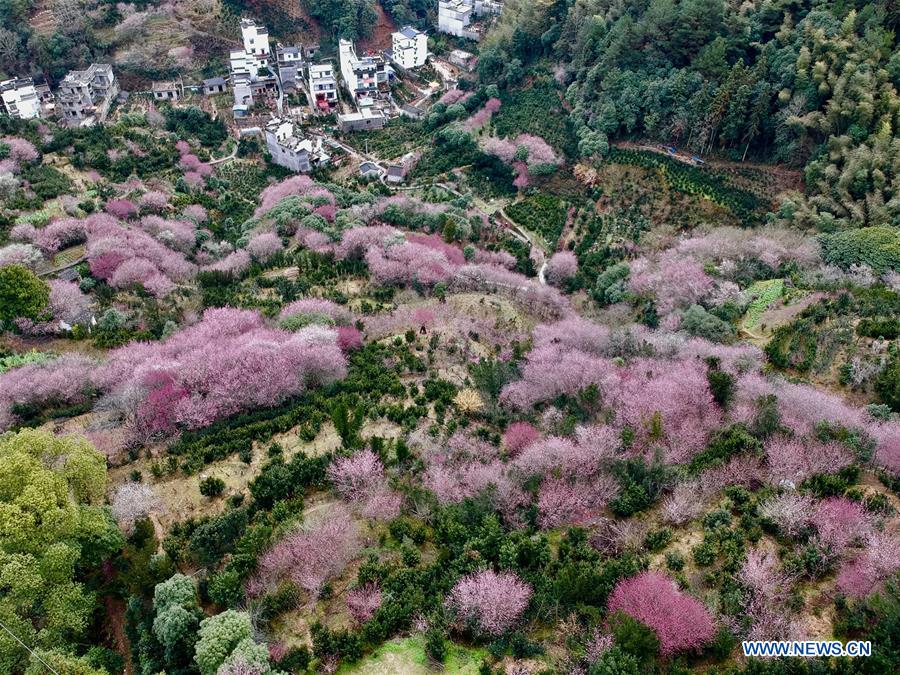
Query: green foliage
348,423
54,534
764,293
22,294
693,180
17,360
876,247
542,214
793,345
536,109
616,661
887,385
436,644
697,321
875,618
218,637
722,386
348,19
46,182
633,637
641,485
610,286
191,122
212,486
727,443
657,540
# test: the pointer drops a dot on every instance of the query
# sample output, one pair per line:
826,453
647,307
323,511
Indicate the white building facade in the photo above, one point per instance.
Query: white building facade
455,17
409,48
361,75
322,83
256,41
85,96
20,98
288,148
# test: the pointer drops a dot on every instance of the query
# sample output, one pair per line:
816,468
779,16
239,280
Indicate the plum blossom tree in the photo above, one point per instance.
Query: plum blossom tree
674,281
552,370
489,602
683,504
573,502
561,267
587,453
363,601
680,621
311,309
840,522
879,559
349,338
357,476
25,255
263,246
790,511
311,555
20,150
668,405
153,202
796,459
121,208
518,436
768,588
133,501
62,381
229,361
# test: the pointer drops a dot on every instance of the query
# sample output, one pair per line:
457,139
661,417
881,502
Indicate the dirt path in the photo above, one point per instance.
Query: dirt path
115,625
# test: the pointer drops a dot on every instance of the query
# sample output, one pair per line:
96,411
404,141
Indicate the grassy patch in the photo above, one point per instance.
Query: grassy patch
764,294
407,656
396,139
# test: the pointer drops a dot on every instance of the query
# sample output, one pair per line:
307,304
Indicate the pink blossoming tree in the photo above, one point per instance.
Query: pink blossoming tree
489,602
680,621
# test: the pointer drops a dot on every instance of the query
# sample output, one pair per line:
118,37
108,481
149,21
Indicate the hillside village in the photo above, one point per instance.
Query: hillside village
285,93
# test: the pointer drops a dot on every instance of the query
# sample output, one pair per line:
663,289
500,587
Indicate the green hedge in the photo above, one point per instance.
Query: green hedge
877,247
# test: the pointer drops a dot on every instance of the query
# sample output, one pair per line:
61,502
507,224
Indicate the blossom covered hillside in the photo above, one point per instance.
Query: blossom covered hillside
588,377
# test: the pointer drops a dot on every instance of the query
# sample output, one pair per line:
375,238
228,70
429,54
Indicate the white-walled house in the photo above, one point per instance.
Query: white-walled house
322,83
256,41
20,98
409,48
288,147
362,75
455,17
85,96
250,67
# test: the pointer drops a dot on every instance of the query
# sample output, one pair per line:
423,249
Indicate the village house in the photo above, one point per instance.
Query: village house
290,63
458,17
215,85
256,41
364,120
396,173
166,91
322,84
250,74
409,48
288,148
362,76
411,111
20,98
85,96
